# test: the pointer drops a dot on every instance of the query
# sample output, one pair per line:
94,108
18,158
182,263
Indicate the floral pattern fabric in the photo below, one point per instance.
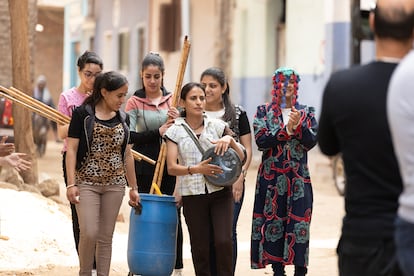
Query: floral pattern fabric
283,197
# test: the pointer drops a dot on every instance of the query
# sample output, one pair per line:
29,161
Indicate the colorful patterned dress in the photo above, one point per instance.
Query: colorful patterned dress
283,198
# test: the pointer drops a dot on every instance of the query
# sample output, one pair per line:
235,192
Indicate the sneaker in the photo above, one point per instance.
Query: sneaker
177,272
94,273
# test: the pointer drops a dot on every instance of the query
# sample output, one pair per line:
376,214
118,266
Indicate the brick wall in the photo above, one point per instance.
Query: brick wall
5,55
48,52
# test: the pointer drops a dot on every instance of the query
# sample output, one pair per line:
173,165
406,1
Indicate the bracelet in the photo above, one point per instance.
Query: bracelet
70,186
134,188
189,170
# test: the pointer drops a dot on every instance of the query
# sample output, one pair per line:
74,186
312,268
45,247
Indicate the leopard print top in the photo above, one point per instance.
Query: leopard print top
105,164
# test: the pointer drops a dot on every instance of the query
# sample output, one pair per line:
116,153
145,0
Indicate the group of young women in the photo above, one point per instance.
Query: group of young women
98,164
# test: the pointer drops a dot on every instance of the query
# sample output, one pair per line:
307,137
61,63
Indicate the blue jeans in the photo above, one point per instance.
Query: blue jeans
237,209
404,242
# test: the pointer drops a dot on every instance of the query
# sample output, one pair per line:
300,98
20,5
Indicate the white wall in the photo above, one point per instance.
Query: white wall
305,36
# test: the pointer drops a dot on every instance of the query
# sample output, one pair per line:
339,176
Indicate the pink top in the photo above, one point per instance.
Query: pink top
68,101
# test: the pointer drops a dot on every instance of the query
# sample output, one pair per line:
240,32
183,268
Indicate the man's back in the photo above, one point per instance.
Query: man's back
353,121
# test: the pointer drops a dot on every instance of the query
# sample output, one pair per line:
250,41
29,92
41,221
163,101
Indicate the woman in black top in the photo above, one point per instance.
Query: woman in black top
99,166
218,105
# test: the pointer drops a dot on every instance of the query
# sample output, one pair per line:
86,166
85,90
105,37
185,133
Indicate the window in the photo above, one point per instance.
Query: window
92,43
170,26
123,54
90,10
108,52
140,50
75,53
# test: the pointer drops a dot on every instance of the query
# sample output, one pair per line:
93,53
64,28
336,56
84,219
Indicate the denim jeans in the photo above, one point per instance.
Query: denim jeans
237,209
404,241
367,256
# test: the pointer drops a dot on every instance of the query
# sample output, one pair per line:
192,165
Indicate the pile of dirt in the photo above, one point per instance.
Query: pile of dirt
34,230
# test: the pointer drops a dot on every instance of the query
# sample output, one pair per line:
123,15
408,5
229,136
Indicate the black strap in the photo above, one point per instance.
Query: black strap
192,136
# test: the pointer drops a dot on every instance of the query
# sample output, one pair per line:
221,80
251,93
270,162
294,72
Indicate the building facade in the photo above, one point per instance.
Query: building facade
248,39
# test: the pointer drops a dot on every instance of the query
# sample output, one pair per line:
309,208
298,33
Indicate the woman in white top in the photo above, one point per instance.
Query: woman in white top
206,207
219,105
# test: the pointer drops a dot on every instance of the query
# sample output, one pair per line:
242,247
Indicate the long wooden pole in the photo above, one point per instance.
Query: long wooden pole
139,156
31,108
40,105
180,76
34,105
50,113
181,70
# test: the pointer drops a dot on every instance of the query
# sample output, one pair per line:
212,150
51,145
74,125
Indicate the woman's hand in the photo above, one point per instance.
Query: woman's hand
238,188
165,126
294,118
173,113
72,194
207,169
178,200
6,148
134,198
222,144
16,161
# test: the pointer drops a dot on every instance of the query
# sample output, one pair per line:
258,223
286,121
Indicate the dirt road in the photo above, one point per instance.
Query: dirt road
325,227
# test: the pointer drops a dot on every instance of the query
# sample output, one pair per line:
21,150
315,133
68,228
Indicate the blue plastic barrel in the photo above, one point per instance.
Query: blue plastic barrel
152,236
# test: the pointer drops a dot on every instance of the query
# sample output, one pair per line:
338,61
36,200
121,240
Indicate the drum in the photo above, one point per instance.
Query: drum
230,163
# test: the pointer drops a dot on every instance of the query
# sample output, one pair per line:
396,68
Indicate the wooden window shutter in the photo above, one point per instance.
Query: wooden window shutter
170,26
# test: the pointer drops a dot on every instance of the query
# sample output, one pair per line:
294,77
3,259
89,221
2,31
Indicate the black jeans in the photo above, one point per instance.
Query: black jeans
237,209
75,221
209,218
367,257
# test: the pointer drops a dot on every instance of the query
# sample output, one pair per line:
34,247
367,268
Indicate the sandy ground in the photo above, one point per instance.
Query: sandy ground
36,234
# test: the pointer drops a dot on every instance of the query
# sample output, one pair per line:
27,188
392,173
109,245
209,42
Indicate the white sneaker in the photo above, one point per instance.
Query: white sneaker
177,272
94,273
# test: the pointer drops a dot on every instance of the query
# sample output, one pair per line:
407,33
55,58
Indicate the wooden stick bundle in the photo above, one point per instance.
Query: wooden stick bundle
32,108
34,105
157,171
38,104
180,76
50,113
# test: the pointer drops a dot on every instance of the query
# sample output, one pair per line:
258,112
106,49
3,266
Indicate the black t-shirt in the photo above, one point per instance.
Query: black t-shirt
353,121
76,129
244,125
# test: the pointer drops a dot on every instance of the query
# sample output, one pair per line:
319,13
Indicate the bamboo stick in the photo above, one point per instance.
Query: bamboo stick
32,108
138,156
157,169
180,76
163,157
42,106
181,70
50,113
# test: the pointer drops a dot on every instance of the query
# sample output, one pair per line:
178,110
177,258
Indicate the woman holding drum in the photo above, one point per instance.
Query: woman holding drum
206,205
